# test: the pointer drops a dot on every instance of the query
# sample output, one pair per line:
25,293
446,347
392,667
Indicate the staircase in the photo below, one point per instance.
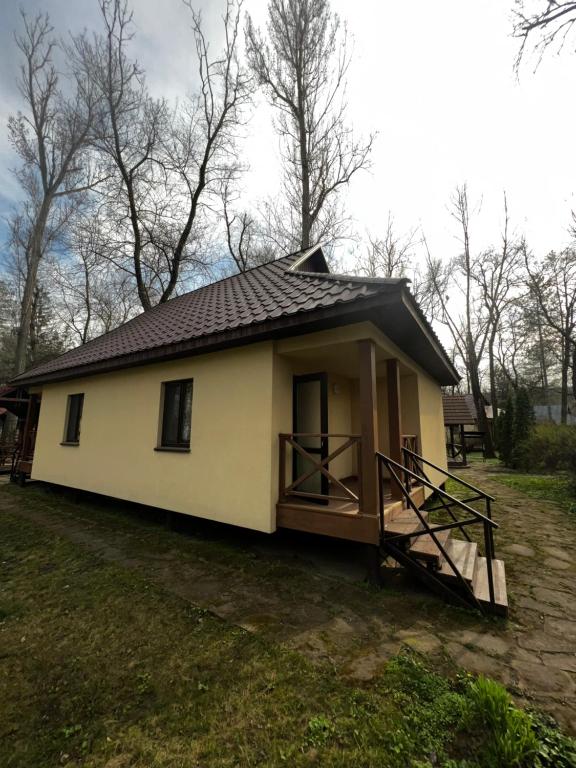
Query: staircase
446,555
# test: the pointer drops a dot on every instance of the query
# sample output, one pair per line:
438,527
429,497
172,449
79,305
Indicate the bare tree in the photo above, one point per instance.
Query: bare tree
301,65
553,284
550,26
390,255
49,138
469,328
496,273
165,161
246,246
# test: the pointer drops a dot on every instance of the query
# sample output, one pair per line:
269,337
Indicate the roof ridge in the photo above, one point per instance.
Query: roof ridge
344,278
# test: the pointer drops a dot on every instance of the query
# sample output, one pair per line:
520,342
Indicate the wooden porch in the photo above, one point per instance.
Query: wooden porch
381,502
314,493
339,512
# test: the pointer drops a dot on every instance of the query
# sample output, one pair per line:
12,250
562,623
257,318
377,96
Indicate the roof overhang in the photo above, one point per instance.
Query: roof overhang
393,311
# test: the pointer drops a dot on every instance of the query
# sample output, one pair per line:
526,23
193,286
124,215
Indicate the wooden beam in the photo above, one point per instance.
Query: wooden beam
368,427
311,518
463,442
394,417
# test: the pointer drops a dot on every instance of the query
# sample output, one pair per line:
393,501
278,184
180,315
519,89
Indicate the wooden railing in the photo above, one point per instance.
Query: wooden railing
7,453
409,448
320,466
454,451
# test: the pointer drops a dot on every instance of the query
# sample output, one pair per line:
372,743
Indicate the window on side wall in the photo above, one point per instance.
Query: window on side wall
73,419
176,415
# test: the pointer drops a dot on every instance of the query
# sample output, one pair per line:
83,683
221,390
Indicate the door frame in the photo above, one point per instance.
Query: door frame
322,377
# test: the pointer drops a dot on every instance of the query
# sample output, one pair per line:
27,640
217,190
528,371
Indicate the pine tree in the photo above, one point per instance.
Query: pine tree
506,430
523,423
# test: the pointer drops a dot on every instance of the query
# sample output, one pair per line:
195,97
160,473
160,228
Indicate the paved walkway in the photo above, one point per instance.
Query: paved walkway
312,598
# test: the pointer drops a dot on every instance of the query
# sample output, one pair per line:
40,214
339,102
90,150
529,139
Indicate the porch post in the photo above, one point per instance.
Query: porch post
463,442
368,426
394,417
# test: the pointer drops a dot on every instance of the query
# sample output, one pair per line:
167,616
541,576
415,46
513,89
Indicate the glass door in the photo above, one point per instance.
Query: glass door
310,419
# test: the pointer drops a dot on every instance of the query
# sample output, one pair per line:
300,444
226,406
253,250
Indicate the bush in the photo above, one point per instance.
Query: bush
549,448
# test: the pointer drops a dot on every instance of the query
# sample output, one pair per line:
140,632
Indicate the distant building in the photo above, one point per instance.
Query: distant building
551,413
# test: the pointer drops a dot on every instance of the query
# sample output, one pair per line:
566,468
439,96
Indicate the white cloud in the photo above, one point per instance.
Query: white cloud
435,80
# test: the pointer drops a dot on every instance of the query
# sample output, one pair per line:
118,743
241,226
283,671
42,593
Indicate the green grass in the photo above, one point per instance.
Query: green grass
99,667
554,488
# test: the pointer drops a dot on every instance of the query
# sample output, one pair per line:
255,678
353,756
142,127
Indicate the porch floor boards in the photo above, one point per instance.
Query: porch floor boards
391,507
337,518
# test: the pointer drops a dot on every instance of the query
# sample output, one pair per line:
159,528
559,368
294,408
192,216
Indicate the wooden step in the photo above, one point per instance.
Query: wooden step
425,548
480,585
405,521
464,555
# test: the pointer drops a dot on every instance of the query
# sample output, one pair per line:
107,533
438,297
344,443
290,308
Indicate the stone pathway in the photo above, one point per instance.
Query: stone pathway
314,600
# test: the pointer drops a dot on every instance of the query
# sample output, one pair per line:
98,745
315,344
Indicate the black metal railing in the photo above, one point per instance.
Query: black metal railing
393,542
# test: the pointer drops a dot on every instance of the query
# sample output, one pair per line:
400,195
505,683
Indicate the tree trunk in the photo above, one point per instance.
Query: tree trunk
30,284
306,224
543,367
483,425
564,381
492,373
574,371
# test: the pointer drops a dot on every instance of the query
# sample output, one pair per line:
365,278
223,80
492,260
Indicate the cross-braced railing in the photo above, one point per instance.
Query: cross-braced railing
318,465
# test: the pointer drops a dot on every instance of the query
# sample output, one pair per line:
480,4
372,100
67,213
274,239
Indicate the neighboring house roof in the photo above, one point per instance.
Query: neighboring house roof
459,409
294,294
13,401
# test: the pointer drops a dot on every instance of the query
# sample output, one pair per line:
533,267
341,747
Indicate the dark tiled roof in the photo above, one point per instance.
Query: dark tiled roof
459,409
261,303
261,294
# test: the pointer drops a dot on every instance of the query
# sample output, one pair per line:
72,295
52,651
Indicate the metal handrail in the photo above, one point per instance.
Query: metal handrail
488,523
432,487
391,465
449,474
444,505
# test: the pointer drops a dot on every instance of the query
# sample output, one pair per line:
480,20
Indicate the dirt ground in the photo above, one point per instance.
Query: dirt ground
310,594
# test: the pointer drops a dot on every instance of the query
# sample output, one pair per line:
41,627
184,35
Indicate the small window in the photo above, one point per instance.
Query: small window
73,418
177,414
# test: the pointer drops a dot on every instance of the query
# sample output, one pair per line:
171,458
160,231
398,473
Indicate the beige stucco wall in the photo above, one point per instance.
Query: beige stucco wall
242,400
432,443
227,475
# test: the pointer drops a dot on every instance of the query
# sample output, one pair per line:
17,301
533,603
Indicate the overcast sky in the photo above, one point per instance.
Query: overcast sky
435,80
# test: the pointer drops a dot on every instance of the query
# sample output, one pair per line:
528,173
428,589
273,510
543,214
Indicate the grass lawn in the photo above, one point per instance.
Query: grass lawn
554,488
99,667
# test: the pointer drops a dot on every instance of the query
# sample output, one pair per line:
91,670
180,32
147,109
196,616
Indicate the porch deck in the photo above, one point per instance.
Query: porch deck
341,518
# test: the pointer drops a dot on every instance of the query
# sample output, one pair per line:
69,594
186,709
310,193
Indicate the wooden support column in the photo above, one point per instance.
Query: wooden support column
368,426
463,442
394,417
